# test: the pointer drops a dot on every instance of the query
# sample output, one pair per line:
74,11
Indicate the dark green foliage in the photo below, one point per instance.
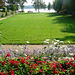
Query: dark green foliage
6,14
2,15
4,9
49,6
63,6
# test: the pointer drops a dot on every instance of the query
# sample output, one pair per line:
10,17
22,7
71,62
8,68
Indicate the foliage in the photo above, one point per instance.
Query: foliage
13,7
21,61
65,5
34,65
4,9
2,4
58,5
49,6
16,2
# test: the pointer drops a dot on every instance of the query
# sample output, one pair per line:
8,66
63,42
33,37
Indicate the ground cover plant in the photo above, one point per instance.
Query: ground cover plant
37,27
13,62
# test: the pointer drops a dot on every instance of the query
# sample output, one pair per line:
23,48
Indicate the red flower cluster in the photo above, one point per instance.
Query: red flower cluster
11,72
3,73
30,67
8,55
3,63
12,62
74,57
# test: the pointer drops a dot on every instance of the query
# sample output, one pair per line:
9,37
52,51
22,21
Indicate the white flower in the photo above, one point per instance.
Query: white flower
27,41
68,41
58,40
47,39
16,50
71,54
61,41
25,54
55,43
47,42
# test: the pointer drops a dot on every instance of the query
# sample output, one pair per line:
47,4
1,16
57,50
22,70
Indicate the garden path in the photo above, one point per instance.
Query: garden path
29,47
5,17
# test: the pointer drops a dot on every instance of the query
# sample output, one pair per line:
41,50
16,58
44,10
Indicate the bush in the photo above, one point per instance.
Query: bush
35,66
2,15
4,9
6,14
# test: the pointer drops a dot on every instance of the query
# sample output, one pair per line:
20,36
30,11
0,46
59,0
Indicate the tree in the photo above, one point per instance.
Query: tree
38,4
49,6
21,2
69,5
17,2
2,5
57,5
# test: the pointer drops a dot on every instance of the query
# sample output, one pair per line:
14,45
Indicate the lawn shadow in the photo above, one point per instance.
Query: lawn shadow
67,38
67,23
52,14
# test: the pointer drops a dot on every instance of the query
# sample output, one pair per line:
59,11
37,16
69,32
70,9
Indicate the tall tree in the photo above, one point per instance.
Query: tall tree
69,5
38,4
17,2
2,4
49,6
57,5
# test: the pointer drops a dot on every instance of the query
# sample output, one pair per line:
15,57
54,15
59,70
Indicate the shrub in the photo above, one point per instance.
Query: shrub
2,15
32,66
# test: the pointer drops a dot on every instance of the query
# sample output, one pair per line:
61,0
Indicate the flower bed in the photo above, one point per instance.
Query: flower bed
35,66
39,62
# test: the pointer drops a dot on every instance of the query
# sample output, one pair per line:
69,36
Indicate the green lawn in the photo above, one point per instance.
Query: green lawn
36,28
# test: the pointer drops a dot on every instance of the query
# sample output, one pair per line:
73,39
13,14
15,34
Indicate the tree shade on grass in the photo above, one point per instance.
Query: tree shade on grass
36,28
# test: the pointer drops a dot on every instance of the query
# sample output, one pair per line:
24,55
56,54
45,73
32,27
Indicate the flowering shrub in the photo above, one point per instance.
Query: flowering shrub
39,62
32,66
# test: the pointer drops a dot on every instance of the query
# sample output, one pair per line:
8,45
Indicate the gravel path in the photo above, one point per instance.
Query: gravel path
29,47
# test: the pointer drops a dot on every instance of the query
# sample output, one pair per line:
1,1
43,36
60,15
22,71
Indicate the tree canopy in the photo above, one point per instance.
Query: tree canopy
64,6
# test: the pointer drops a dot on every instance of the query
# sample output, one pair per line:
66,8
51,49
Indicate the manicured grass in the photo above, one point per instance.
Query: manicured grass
36,28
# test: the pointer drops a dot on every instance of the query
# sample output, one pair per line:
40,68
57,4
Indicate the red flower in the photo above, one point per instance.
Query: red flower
32,66
6,74
41,70
23,61
1,73
55,72
36,64
11,72
60,65
27,63
8,55
73,65
3,63
12,62
74,57
72,71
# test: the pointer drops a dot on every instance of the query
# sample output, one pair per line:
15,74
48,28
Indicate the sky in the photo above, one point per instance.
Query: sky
29,2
